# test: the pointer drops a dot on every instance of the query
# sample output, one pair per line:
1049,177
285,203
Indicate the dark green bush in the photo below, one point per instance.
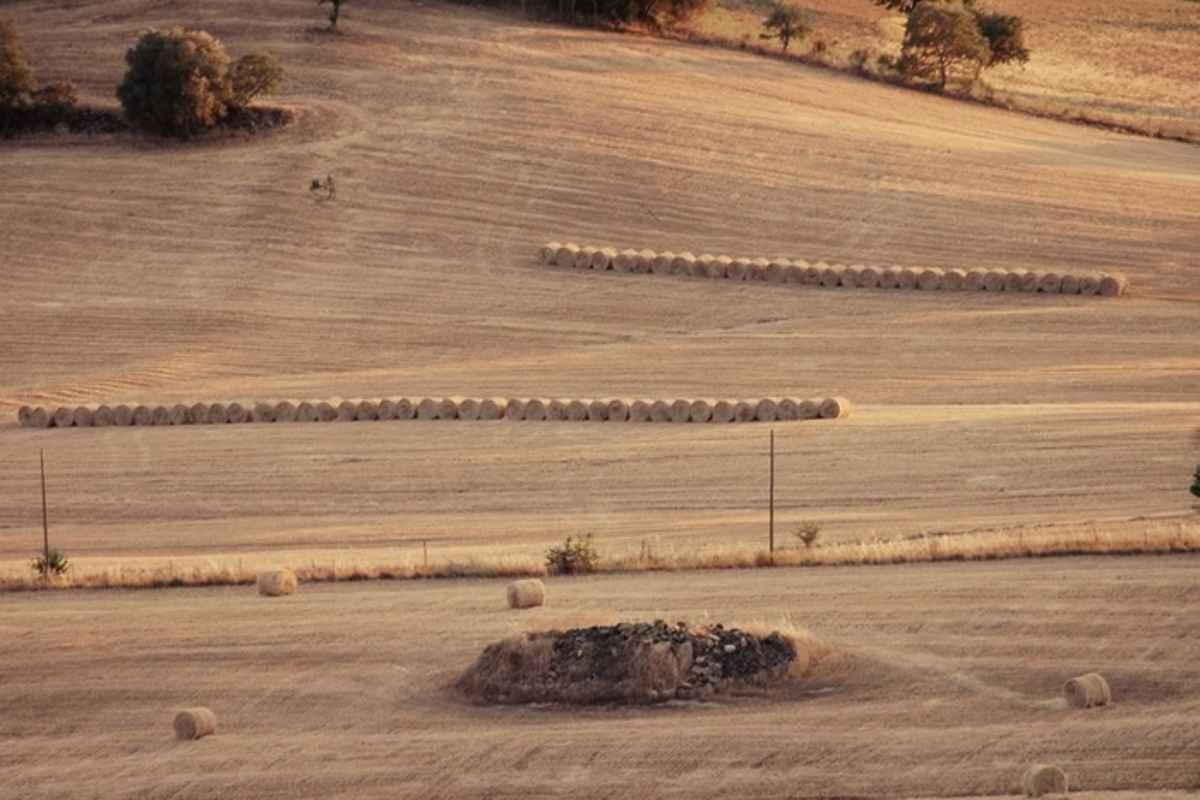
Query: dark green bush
1196,482
54,562
573,557
785,23
942,42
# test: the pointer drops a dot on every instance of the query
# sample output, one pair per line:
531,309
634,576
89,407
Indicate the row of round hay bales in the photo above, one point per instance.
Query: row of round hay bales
821,273
442,408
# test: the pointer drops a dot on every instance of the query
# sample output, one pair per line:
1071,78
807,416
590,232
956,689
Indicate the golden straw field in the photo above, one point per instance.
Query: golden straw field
984,426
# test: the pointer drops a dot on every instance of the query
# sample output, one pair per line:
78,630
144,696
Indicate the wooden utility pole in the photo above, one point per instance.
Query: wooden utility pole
45,520
771,502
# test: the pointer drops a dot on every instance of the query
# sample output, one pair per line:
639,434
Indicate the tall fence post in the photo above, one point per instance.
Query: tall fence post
45,519
771,501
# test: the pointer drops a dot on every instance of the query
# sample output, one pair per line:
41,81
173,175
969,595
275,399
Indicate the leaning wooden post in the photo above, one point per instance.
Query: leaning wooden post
45,520
771,502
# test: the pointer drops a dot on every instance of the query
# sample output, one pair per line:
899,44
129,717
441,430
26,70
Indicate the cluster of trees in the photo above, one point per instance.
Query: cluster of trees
24,104
947,40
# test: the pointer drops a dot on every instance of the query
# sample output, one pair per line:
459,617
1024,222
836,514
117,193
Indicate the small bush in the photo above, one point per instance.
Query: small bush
1196,482
54,562
251,76
807,532
859,60
575,556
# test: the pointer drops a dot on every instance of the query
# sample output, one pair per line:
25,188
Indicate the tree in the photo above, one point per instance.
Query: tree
1005,34
1196,482
785,23
176,83
334,11
16,78
941,40
251,76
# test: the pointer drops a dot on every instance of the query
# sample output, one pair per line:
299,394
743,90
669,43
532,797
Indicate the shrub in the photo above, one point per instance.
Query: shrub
335,11
807,532
859,60
785,23
176,84
54,104
16,78
573,556
251,76
943,41
1005,35
1196,482
53,562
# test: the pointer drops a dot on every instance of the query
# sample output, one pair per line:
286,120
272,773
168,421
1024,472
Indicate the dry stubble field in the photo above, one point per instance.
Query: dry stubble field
461,140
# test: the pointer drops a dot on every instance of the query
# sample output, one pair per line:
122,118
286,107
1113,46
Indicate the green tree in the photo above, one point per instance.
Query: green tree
16,78
334,11
176,83
1196,482
251,76
1005,34
785,23
941,41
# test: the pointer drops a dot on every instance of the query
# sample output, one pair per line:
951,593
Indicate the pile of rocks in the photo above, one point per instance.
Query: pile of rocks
626,663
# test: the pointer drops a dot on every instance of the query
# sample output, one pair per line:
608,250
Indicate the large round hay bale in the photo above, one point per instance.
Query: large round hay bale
683,264
102,417
661,265
626,260
660,411
306,412
602,259
758,269
1113,285
953,280
385,409
326,411
263,412
549,252
1070,284
743,411
812,273
565,257
974,280
702,266
889,277
766,410
929,279
236,412
577,411
1087,691
179,415
82,416
1044,779
849,277
526,593
723,411
597,411
583,258
447,408
198,413
809,408
1012,280
514,409
777,270
831,276
733,269
216,413
645,261
868,277
405,408
1050,283
994,280
639,410
23,415
556,410
787,409
835,408
160,415
618,410
794,275
1089,283
63,417
680,411
700,411
40,418
347,411
143,415
427,408
1030,279
536,409
492,408
276,582
195,723
468,409
907,278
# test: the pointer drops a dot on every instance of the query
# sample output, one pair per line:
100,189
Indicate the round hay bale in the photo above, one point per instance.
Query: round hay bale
743,411
1050,283
757,270
700,411
602,259
102,417
680,411
618,410
565,257
468,409
307,412
556,410
645,261
347,410
639,411
38,418
1070,284
974,280
427,408
703,266
263,412
447,408
795,273
583,259
217,414
63,417
777,270
868,277
723,411
198,413
536,409
526,593
831,276
1089,284
276,582
626,260
809,408
1030,279
23,416
549,252
491,408
179,414
660,411
144,415
929,279
683,264
385,409
1012,280
733,269
812,273
661,265
766,410
195,723
1113,285
889,277
366,411
835,408
994,280
577,411
82,416
1044,779
326,412
514,409
160,415
787,409
597,411
405,408
953,280
1087,691
236,412
849,278
907,278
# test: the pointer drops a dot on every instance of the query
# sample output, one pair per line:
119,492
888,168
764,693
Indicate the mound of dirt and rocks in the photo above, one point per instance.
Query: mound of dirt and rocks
627,663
